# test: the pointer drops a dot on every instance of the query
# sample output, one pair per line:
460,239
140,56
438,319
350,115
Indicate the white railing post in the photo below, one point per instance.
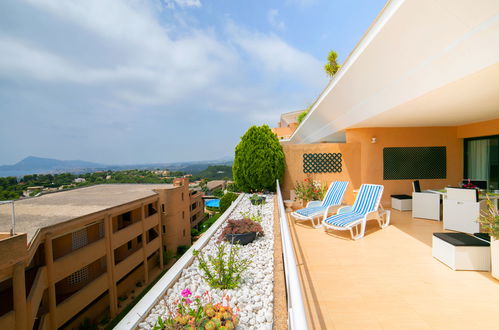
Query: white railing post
296,309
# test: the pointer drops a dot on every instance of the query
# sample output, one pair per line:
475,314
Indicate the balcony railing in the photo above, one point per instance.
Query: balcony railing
296,310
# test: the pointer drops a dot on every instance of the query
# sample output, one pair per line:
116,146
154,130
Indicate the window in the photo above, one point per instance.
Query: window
127,216
183,215
163,208
101,229
182,196
129,245
79,239
164,229
481,160
193,206
193,218
139,239
79,276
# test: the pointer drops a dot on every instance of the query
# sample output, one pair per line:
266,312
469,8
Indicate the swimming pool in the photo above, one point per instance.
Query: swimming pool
212,203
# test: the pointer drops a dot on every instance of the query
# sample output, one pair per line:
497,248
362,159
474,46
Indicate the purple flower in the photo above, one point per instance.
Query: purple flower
186,293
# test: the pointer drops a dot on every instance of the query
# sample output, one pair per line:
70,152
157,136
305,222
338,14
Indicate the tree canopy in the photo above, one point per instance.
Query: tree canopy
258,161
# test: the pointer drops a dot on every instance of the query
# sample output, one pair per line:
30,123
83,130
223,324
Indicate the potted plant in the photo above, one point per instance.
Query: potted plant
242,231
310,190
489,219
257,200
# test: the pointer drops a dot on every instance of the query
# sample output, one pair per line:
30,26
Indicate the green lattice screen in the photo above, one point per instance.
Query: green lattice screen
414,163
322,163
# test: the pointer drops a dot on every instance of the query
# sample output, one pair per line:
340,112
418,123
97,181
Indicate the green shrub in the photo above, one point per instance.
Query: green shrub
167,256
224,270
203,226
181,249
258,161
226,200
217,193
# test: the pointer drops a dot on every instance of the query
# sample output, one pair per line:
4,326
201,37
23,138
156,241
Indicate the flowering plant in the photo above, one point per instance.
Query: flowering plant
200,313
469,185
310,190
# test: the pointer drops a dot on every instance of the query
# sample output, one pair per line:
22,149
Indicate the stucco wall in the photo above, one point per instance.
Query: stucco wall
372,154
363,160
483,128
294,166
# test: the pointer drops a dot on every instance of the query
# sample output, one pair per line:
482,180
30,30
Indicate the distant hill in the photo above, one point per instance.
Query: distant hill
35,163
39,165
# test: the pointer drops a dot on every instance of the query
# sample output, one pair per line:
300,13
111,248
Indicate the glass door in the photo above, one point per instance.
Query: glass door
481,160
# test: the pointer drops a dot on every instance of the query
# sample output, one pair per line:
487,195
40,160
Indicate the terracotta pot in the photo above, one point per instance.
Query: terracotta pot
494,257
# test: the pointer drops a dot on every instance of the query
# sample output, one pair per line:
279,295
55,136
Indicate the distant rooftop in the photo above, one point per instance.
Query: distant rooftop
35,213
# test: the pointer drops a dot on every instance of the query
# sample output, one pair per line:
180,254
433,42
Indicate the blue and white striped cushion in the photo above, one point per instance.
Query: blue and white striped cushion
308,211
364,203
334,194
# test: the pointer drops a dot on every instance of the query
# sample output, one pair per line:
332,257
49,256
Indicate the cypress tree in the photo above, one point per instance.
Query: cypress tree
259,160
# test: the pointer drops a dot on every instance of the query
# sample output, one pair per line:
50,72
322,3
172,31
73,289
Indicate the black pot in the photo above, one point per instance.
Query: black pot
258,201
241,239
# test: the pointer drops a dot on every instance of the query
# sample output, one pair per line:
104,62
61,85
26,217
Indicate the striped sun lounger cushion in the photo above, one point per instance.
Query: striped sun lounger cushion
335,193
364,203
308,211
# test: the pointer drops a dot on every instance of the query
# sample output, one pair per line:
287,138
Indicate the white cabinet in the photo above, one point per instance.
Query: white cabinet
426,205
461,216
461,210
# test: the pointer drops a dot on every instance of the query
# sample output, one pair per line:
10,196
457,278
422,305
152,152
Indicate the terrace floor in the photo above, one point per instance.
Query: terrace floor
389,280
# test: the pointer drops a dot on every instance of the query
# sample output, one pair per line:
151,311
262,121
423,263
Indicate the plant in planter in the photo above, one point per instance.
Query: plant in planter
198,312
489,219
222,271
242,231
254,217
257,199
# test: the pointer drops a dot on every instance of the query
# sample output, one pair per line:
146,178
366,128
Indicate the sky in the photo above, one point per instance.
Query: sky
156,81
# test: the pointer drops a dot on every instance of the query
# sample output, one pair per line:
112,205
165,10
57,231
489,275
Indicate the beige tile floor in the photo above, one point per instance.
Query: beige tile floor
389,280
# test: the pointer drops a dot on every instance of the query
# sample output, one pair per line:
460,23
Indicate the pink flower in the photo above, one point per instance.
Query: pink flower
188,301
186,293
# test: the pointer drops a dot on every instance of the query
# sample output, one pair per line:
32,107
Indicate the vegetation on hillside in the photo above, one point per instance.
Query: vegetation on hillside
259,160
12,187
214,172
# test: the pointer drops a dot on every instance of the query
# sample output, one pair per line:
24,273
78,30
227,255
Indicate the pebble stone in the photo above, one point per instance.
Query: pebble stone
254,295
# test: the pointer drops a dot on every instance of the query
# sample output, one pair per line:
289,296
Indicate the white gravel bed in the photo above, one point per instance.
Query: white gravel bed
254,296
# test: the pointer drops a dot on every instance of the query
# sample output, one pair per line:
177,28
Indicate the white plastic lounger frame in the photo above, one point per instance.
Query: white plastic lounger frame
366,207
316,209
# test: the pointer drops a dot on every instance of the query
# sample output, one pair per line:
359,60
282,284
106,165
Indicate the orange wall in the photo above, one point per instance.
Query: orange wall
294,165
363,160
484,128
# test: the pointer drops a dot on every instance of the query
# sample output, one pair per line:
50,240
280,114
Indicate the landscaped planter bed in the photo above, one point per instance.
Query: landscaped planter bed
254,296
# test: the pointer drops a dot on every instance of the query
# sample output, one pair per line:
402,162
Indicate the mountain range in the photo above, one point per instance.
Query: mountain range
39,165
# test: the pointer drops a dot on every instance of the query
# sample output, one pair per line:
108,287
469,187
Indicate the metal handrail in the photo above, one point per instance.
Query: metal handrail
296,309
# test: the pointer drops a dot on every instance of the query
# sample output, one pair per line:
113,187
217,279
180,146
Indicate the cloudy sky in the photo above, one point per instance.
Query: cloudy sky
137,81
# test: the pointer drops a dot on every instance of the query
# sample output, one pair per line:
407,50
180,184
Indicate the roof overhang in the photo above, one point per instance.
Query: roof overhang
422,63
